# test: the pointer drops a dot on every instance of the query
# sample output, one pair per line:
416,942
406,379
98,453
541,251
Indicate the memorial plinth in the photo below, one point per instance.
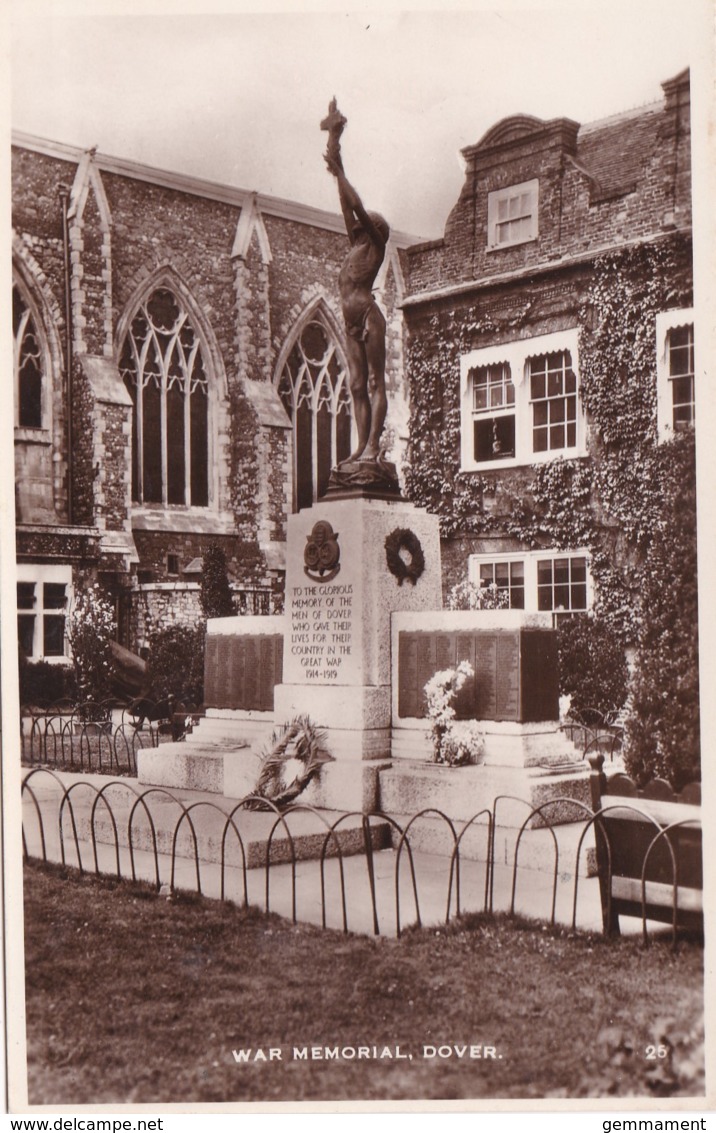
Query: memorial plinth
513,694
340,595
243,661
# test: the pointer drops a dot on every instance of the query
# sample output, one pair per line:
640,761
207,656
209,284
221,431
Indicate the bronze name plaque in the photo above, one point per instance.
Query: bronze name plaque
515,672
240,671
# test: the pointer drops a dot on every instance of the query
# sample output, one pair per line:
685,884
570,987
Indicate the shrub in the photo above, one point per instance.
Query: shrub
662,735
593,670
175,665
43,684
90,631
215,596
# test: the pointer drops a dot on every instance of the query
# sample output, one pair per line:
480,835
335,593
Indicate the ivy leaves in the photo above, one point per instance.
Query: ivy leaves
610,503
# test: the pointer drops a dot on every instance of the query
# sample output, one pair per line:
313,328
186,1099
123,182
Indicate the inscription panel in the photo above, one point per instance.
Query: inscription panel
540,691
507,678
466,699
211,670
494,691
408,700
485,663
223,679
427,665
240,671
321,639
250,683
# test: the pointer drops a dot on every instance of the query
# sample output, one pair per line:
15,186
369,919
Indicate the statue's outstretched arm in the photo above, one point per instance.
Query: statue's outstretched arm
346,195
352,207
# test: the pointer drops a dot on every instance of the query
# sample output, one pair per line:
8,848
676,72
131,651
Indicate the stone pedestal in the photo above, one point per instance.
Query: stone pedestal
514,695
340,594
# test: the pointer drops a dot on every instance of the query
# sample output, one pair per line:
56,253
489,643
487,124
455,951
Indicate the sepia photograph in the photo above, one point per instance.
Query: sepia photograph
354,705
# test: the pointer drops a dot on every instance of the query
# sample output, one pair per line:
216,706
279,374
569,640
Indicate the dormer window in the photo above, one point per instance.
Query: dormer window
512,215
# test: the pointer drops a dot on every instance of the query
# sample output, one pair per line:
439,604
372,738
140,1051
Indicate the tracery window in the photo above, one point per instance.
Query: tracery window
27,365
314,390
162,364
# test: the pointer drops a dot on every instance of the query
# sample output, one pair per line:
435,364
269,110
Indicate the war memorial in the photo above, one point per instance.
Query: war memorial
363,631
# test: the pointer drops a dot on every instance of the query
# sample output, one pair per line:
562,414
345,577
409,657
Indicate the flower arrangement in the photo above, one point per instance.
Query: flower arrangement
455,743
463,743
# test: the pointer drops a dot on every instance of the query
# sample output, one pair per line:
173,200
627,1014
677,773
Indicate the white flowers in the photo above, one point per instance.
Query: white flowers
469,596
463,743
454,742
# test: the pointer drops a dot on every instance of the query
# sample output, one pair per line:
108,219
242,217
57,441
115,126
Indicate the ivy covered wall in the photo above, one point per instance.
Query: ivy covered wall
610,501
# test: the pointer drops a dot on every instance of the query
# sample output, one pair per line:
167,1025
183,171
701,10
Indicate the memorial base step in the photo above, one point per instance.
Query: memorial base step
505,745
304,835
408,787
183,766
431,834
226,729
344,785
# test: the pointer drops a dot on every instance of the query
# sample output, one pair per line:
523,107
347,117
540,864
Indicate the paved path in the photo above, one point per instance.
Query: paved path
340,895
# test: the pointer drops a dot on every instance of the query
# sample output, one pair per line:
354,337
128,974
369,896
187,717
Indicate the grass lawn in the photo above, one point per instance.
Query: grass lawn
136,998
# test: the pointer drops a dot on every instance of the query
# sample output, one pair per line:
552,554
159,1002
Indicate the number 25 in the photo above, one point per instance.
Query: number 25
653,1052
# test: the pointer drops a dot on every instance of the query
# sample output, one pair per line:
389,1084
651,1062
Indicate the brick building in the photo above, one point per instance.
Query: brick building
550,354
180,376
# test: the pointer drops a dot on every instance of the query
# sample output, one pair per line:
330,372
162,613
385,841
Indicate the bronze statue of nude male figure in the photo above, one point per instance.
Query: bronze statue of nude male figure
364,321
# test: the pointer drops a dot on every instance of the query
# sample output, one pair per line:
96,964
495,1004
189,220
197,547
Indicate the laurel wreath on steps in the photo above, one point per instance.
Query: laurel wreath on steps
295,755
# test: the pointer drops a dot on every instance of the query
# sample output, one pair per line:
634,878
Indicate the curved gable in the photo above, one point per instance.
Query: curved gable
512,129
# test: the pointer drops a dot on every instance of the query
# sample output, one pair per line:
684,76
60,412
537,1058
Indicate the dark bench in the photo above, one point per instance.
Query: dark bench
649,850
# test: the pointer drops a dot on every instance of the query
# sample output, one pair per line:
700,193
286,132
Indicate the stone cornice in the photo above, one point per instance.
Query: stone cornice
547,268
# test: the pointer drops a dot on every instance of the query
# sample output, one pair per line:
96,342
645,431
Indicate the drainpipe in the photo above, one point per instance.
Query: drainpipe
64,197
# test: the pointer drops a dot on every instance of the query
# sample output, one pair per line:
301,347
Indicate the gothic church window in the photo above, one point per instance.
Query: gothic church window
27,364
163,368
314,390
